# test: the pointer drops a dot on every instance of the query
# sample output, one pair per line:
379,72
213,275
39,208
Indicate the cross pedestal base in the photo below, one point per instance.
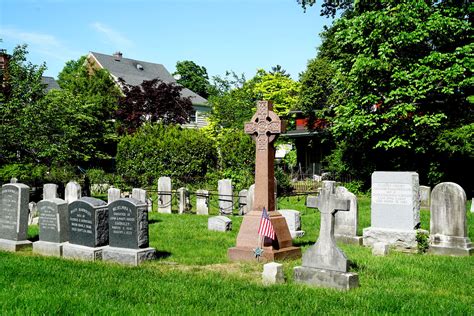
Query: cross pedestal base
248,240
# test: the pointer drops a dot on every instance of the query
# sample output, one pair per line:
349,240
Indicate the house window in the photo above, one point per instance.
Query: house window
193,117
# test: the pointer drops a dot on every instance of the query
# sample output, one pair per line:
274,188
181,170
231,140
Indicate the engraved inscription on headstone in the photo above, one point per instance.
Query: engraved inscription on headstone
88,222
128,224
53,225
14,211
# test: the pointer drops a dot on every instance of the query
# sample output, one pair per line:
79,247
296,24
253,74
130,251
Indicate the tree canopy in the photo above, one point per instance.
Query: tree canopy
193,77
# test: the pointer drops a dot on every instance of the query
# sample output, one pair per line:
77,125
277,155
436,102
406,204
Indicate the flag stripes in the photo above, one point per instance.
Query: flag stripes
266,227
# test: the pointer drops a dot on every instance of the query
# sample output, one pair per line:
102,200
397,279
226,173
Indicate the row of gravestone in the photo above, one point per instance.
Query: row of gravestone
225,195
395,215
86,228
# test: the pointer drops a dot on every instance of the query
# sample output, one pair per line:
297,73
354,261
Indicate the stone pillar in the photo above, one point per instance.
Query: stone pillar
112,194
72,192
183,201
226,200
202,202
164,195
243,207
50,191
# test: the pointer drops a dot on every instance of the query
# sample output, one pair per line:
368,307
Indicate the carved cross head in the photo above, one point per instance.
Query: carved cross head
328,203
265,125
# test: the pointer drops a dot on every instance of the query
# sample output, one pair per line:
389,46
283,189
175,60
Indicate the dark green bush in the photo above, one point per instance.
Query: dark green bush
36,175
155,150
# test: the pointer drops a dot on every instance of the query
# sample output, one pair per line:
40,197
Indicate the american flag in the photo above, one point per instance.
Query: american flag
266,227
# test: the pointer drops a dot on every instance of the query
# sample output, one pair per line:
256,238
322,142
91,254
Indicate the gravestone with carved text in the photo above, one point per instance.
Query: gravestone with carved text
53,227
88,229
324,264
128,232
14,216
264,127
395,210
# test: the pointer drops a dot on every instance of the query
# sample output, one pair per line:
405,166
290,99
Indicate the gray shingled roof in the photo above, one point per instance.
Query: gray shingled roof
50,83
127,69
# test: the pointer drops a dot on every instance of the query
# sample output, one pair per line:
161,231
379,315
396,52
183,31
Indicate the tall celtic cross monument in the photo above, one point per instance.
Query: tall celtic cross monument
264,127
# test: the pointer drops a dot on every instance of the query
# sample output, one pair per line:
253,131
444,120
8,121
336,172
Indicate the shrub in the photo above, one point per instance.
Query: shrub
156,150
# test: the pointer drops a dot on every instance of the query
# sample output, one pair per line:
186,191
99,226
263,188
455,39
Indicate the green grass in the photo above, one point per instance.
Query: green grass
193,276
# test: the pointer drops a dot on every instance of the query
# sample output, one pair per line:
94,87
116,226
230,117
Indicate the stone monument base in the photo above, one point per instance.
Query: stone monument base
401,240
269,254
73,251
451,246
14,245
132,257
326,278
47,248
352,240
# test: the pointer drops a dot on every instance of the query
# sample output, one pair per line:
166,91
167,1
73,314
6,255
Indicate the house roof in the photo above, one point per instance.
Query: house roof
134,72
50,83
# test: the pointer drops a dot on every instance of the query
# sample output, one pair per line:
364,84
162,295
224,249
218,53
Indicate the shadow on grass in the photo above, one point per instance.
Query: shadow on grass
162,254
302,243
154,221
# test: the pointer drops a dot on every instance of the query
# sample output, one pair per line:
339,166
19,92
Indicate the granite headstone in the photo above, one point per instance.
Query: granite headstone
202,202
226,199
219,223
53,227
164,195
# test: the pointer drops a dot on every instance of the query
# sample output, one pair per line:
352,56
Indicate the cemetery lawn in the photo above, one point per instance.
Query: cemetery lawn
193,276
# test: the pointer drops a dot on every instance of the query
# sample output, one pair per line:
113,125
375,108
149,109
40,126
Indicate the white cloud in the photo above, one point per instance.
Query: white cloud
112,36
42,43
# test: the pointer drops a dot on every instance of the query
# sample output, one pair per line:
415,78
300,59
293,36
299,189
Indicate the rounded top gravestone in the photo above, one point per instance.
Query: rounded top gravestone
88,222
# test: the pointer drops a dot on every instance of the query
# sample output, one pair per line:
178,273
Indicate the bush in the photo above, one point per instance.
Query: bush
156,150
36,175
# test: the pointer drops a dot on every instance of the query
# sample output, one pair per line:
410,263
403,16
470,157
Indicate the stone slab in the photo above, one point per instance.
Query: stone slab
226,199
79,252
13,246
351,240
380,249
132,257
202,202
398,239
296,234
219,223
326,278
273,273
450,245
47,248
425,195
164,195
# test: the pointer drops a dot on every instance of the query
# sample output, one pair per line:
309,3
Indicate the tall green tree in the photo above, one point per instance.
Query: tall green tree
403,78
193,77
20,89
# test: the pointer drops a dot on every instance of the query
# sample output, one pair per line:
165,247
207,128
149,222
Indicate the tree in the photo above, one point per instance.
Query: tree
193,77
153,101
403,78
21,88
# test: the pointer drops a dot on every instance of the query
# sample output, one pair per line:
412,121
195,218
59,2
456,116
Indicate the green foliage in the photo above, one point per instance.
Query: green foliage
156,150
34,174
422,240
193,77
402,79
21,88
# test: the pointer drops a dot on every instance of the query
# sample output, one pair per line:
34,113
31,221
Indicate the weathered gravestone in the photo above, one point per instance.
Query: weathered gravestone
128,233
202,202
164,195
324,264
243,207
53,227
88,229
184,204
425,194
345,226
140,195
13,180
219,223
264,127
293,220
273,273
448,223
226,199
32,213
50,191
250,198
395,210
72,192
14,217
113,194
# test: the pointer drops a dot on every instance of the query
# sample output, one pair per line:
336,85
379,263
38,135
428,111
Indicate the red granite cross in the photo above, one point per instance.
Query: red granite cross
264,127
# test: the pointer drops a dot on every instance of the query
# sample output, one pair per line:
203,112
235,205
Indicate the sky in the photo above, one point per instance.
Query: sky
221,35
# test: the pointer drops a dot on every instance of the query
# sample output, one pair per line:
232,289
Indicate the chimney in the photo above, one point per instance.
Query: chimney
118,56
